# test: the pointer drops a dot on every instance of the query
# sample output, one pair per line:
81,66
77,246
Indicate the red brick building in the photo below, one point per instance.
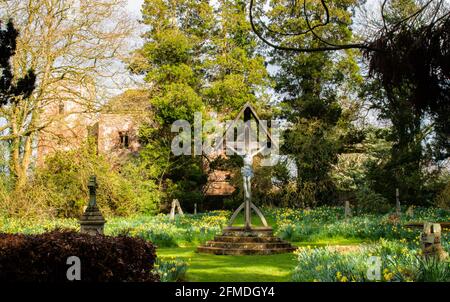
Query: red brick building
113,128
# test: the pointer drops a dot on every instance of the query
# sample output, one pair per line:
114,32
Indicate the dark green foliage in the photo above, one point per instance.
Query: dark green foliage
409,87
42,258
314,86
417,56
443,198
369,201
198,57
315,150
172,65
12,90
406,165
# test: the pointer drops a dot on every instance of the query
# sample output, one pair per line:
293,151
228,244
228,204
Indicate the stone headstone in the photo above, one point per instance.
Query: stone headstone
398,209
410,211
347,209
92,221
175,207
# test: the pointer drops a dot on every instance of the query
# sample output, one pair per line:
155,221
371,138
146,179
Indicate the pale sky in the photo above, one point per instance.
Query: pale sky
134,6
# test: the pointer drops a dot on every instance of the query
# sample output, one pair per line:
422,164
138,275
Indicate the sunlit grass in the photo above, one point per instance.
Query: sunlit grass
256,268
210,268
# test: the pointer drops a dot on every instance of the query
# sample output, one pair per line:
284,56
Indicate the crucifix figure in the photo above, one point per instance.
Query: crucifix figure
247,175
247,169
249,152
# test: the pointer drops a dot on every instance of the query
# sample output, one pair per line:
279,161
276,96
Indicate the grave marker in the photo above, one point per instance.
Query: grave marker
347,210
92,221
398,209
175,206
431,241
410,211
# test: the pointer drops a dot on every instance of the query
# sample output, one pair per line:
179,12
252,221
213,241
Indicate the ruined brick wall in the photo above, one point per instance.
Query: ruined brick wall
72,127
111,131
66,130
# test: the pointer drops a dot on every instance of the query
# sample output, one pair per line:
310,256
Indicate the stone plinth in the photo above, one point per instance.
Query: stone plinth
92,221
242,241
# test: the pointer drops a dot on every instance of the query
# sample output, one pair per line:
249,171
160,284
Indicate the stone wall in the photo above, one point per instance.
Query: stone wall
72,127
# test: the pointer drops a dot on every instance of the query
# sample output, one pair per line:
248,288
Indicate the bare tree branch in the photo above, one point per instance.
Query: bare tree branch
368,45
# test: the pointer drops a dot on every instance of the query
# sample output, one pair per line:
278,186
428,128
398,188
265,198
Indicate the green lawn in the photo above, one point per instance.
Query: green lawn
208,268
276,268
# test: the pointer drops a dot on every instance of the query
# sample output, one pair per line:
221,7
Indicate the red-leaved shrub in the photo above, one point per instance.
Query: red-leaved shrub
43,257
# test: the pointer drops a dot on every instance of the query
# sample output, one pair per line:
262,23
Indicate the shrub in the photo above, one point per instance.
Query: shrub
43,257
370,201
59,188
443,198
28,203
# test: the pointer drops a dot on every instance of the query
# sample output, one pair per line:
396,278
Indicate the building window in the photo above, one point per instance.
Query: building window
124,140
61,108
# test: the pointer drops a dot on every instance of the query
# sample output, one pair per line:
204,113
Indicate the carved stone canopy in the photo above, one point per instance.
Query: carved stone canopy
247,113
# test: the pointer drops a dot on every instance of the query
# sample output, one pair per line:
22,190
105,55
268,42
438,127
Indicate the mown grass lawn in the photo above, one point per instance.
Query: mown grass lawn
209,268
220,268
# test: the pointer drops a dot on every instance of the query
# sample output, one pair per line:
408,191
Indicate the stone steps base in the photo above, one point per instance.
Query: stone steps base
240,241
247,245
240,251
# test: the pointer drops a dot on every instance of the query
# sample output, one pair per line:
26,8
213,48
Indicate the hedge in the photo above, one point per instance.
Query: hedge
43,257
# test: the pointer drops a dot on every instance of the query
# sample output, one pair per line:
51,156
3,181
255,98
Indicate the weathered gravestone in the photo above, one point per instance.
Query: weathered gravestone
92,221
398,208
175,207
410,211
431,241
347,210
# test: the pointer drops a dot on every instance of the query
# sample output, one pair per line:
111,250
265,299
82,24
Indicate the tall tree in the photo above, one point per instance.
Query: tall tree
314,87
236,71
12,90
409,87
406,45
73,48
199,56
172,62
